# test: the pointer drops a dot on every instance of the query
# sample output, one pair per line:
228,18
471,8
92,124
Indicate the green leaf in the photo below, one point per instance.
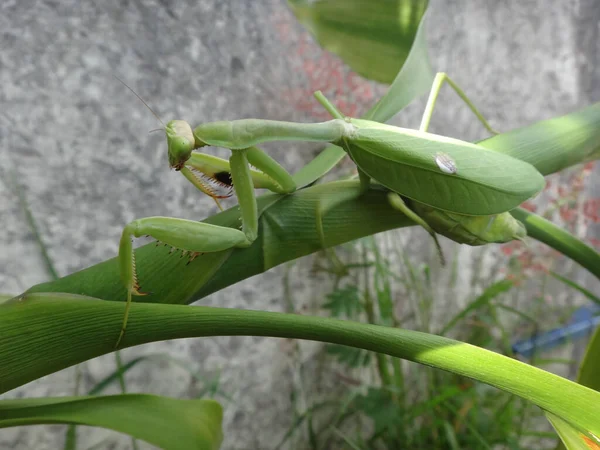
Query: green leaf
287,228
413,80
43,333
572,437
589,371
577,287
553,145
486,296
172,424
372,37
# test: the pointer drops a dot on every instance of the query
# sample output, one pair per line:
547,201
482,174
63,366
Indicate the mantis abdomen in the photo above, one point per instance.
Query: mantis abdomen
471,230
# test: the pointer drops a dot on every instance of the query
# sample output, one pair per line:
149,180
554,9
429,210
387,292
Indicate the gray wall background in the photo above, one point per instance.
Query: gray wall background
78,141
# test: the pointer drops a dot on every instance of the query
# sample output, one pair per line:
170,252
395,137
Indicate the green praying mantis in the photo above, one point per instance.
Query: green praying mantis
451,187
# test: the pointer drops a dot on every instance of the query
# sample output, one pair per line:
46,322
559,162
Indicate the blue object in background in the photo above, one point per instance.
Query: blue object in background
582,323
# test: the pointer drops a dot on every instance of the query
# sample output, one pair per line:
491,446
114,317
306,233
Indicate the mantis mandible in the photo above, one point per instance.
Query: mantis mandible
451,184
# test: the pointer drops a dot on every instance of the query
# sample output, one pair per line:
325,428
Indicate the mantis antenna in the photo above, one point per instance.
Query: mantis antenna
142,100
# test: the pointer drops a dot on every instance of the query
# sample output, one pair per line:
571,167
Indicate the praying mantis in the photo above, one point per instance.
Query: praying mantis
451,187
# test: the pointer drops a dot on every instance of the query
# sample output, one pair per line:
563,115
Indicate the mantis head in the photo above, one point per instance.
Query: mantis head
180,141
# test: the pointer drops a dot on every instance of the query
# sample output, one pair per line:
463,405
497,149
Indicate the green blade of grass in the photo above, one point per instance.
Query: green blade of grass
172,424
287,231
486,296
577,287
373,38
555,144
590,366
43,333
573,438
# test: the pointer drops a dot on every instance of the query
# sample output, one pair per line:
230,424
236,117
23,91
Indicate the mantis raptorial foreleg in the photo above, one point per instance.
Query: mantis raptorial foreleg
196,237
212,175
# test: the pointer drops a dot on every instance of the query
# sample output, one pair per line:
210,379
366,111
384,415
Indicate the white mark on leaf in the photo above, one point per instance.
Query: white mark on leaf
445,163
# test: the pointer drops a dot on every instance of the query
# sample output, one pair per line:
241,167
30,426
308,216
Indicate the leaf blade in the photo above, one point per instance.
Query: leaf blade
47,332
373,38
172,424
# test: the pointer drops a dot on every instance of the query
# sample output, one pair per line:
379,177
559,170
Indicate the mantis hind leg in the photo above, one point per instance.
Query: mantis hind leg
439,80
397,203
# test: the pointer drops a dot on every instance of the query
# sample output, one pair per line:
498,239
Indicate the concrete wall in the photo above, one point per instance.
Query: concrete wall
78,142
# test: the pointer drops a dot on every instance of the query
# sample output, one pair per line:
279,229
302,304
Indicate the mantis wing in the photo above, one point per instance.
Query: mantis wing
442,172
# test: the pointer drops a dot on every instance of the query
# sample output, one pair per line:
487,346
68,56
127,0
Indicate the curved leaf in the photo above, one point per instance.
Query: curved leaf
287,230
555,144
572,437
172,424
373,38
42,333
590,366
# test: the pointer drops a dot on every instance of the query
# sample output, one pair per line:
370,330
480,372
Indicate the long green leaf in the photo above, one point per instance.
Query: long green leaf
43,333
572,437
486,296
555,144
590,366
288,230
372,37
172,424
589,369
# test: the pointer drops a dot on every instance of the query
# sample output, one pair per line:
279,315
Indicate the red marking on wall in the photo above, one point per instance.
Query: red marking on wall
325,72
